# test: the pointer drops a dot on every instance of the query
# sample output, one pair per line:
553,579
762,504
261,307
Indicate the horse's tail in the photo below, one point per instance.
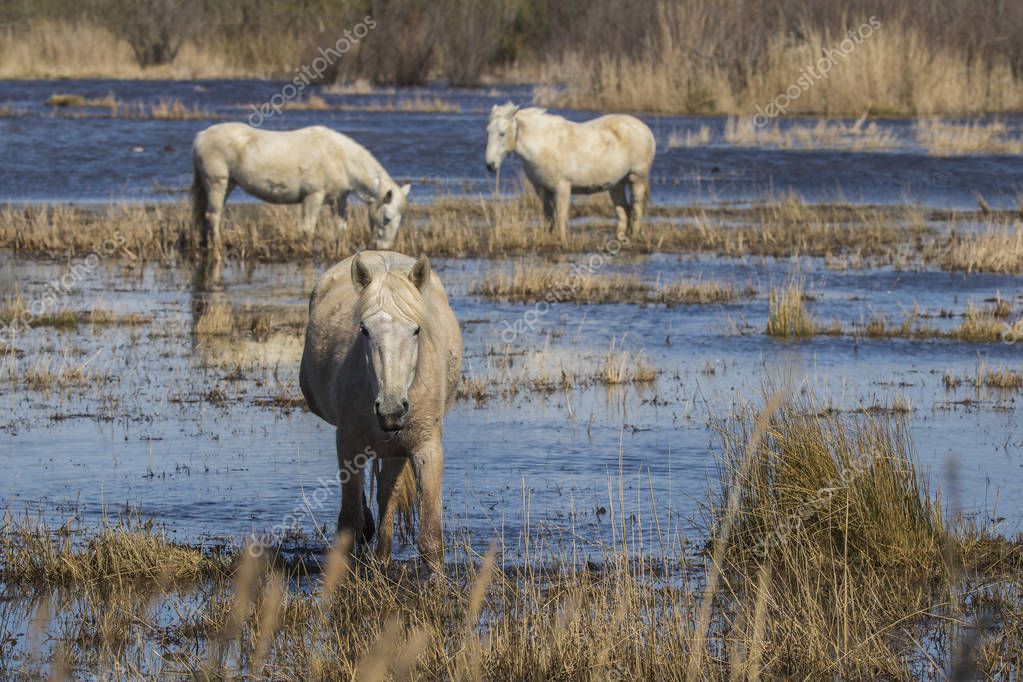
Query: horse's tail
200,203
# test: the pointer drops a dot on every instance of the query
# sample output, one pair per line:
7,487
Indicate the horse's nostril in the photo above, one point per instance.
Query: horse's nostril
376,407
404,405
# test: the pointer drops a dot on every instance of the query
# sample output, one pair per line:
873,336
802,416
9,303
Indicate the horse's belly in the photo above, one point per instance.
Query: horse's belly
273,191
591,189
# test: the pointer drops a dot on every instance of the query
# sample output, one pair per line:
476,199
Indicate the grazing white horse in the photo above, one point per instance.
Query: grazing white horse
382,360
608,154
310,166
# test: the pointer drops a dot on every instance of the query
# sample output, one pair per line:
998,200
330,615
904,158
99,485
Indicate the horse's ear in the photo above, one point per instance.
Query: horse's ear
420,272
405,189
361,276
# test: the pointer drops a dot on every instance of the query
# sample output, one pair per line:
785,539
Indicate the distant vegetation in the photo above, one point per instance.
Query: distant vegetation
699,56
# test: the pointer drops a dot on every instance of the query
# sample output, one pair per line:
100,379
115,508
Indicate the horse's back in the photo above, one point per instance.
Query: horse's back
630,131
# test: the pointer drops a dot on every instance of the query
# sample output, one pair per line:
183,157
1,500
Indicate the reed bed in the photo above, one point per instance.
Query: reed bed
475,227
529,282
460,227
418,104
163,109
951,138
827,557
858,135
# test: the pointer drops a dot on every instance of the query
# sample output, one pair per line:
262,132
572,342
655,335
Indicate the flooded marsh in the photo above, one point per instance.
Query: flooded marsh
776,433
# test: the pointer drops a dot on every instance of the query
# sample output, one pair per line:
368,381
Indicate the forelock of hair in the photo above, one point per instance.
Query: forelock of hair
394,293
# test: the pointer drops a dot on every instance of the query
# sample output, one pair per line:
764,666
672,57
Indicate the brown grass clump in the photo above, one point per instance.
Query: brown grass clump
65,100
529,282
788,316
858,135
998,248
981,325
834,536
223,319
946,138
127,551
623,367
417,104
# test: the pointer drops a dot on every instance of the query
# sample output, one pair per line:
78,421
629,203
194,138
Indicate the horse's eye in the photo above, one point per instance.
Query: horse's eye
416,332
362,328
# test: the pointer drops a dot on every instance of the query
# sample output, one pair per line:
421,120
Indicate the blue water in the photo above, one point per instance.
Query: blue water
49,155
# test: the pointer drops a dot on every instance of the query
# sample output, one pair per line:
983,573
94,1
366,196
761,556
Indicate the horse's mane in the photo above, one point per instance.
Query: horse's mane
394,293
532,111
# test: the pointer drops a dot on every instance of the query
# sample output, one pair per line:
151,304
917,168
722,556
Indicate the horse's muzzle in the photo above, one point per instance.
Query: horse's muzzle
492,167
392,417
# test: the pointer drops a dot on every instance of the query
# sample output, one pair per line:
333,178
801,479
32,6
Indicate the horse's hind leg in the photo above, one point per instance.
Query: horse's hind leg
640,189
562,201
217,191
621,202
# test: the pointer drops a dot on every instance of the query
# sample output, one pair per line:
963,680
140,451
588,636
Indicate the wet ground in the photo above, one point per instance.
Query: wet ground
206,433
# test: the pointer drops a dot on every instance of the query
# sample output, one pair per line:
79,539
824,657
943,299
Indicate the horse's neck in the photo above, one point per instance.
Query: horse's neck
363,171
529,137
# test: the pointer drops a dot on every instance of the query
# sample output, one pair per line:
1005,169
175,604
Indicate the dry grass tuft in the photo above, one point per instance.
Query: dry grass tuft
998,248
858,135
946,138
788,316
530,282
127,551
623,367
418,104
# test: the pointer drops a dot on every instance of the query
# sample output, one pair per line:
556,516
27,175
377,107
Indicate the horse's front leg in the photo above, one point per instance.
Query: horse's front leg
355,516
428,462
311,206
396,491
341,211
562,201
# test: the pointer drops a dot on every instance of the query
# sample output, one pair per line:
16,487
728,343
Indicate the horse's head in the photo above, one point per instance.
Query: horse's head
391,314
385,214
501,133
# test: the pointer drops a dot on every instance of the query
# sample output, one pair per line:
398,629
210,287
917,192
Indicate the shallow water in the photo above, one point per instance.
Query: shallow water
182,426
82,155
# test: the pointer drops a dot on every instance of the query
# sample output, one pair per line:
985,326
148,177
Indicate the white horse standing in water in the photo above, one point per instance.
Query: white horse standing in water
382,360
310,166
612,153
